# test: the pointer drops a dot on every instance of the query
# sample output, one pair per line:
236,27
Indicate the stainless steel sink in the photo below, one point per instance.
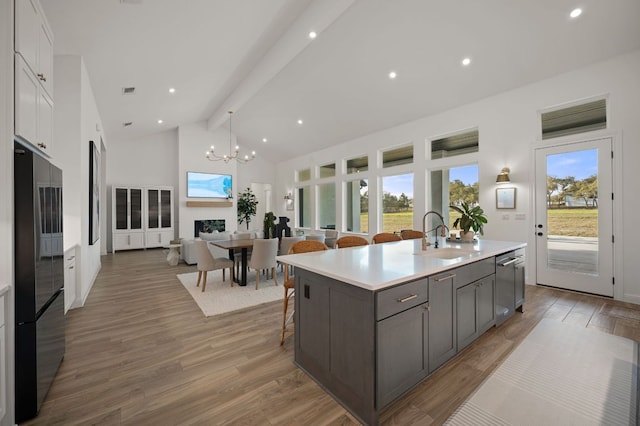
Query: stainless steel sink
444,253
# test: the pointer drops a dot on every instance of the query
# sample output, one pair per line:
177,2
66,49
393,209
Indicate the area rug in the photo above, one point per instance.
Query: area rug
561,374
219,297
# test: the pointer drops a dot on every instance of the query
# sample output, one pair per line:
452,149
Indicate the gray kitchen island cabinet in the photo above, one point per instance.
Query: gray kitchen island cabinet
368,333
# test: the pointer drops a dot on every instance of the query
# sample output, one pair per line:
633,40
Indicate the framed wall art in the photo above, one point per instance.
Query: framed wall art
505,198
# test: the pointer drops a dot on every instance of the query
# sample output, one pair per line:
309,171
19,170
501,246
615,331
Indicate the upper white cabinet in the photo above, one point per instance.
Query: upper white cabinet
34,41
34,76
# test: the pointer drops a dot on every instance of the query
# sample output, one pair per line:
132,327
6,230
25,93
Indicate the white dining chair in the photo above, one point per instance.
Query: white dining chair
263,256
206,263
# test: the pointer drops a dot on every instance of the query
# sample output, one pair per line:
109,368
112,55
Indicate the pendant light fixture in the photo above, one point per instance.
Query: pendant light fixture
233,154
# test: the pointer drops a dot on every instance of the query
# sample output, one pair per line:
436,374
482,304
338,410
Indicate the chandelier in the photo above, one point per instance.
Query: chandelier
233,155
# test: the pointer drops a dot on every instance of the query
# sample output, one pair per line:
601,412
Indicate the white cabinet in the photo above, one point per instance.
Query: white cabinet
142,216
34,41
159,223
34,76
69,278
127,215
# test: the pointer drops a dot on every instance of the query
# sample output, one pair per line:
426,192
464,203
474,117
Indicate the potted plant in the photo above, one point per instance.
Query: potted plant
472,218
247,203
269,225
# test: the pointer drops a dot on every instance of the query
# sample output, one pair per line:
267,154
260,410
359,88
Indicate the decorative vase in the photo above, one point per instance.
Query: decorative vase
467,236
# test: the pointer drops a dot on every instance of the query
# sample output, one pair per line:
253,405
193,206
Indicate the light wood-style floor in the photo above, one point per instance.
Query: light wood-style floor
141,352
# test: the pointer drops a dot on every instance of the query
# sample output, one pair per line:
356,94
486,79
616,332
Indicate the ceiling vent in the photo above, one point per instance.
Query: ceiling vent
575,119
128,90
127,123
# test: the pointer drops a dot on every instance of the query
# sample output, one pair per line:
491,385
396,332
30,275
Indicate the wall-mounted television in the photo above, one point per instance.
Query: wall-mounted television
208,185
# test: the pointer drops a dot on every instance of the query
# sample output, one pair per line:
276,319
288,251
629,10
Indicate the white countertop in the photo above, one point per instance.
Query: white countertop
377,266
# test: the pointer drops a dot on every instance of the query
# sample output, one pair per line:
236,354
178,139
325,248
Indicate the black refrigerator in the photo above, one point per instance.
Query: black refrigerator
39,279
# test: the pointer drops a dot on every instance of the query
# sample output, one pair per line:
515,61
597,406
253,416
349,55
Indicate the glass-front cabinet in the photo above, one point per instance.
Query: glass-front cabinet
159,223
127,209
142,217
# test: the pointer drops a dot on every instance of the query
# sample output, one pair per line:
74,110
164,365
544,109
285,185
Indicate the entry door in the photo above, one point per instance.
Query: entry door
574,216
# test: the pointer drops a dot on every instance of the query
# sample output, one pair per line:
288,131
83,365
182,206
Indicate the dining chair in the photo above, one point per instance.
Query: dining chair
263,256
286,243
385,237
316,237
305,246
351,241
237,256
410,234
206,262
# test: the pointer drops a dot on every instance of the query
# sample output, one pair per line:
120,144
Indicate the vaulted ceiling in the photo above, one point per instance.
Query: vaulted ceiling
255,57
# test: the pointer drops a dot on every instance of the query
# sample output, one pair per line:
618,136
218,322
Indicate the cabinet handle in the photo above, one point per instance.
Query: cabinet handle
444,278
509,262
41,145
71,267
41,77
71,258
406,299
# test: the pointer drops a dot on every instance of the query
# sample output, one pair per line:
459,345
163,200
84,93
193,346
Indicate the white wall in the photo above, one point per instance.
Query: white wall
6,206
509,129
76,122
151,160
193,140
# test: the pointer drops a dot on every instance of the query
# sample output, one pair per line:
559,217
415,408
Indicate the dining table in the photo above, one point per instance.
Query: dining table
232,246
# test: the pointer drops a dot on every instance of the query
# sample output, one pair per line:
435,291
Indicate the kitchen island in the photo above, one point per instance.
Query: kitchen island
372,322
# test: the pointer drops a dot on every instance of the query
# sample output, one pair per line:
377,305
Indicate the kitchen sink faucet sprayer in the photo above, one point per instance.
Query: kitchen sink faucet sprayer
424,231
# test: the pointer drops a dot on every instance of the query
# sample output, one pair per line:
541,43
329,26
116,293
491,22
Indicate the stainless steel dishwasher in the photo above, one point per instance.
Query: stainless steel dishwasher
509,284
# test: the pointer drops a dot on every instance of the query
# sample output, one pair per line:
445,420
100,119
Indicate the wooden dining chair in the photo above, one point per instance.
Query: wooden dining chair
263,256
305,246
385,237
206,263
351,241
410,234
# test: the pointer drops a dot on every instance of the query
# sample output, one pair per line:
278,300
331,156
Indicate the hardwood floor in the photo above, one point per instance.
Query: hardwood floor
141,352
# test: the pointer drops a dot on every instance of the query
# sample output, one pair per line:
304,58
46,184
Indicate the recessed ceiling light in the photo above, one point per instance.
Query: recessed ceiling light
160,121
172,90
393,75
313,35
576,12
466,61
264,139
299,121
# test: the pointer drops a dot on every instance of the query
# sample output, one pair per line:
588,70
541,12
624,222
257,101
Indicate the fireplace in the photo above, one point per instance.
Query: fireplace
207,226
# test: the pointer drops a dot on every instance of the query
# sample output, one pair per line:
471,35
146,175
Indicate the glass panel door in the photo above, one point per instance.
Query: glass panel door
574,217
165,208
136,209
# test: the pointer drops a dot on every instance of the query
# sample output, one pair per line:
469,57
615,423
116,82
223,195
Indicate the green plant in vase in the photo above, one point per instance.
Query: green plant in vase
247,203
269,225
472,218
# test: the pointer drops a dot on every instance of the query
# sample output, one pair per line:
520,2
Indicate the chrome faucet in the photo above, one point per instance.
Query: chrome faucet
424,231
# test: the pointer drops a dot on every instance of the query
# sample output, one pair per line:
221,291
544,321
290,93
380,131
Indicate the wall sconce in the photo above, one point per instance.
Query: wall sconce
289,200
503,177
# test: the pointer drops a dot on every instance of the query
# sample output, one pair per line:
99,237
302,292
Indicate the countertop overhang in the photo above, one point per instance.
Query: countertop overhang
377,266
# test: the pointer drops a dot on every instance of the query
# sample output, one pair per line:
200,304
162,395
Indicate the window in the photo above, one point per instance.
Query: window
328,170
398,156
575,119
453,186
304,175
357,205
304,207
326,207
462,143
397,202
356,165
